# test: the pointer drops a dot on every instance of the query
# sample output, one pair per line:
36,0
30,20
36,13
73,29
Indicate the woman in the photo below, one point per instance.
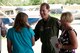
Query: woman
20,38
68,40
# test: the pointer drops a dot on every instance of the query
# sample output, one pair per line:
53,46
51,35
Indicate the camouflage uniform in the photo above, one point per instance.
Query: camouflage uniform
45,30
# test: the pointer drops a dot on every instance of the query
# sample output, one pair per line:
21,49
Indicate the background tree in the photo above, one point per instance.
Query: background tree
35,2
51,1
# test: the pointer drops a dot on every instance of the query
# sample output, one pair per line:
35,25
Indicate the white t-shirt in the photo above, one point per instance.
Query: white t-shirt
1,26
0,32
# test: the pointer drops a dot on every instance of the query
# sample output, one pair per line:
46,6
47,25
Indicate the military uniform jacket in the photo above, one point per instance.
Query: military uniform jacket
45,30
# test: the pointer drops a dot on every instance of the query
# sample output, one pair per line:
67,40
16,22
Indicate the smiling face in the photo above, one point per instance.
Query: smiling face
44,11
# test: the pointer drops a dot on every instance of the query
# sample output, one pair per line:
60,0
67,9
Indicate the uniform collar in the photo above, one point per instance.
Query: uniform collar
47,19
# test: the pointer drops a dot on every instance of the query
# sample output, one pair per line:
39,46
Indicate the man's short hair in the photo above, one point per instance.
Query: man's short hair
45,4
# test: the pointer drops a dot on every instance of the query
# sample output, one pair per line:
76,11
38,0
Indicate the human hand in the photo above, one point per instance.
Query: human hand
58,45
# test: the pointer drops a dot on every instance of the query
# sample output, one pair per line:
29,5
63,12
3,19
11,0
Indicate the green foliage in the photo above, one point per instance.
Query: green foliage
51,1
36,2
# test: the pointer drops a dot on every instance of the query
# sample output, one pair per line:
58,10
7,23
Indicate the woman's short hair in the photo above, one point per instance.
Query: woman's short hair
67,16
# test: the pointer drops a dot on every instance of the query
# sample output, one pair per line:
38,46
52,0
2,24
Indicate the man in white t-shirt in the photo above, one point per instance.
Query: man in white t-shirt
2,31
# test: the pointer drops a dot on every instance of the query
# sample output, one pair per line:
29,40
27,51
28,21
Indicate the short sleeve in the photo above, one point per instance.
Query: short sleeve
8,35
32,32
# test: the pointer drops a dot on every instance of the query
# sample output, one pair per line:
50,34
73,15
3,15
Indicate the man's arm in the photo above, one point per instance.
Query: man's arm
3,30
36,30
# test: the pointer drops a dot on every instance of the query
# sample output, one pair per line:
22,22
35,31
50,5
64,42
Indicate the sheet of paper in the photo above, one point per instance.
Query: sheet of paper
54,40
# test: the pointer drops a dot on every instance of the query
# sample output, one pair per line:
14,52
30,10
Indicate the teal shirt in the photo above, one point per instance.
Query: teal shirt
21,41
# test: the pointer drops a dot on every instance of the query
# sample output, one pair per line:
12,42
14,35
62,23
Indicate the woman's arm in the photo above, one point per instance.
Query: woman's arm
33,41
9,46
73,39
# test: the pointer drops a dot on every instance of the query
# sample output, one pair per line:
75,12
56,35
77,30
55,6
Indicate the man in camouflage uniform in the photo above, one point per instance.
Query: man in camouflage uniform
46,28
